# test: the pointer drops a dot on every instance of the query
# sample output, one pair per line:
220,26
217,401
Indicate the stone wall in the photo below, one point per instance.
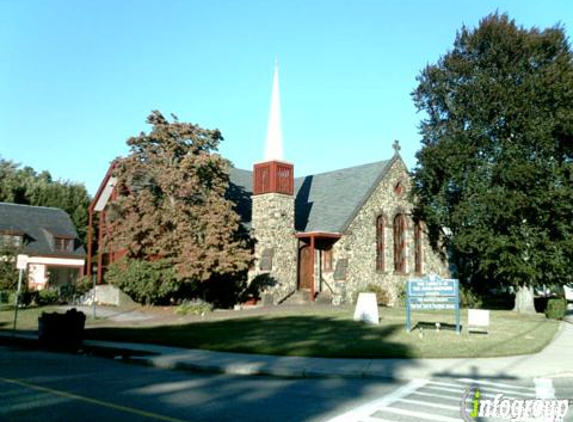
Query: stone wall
275,246
358,245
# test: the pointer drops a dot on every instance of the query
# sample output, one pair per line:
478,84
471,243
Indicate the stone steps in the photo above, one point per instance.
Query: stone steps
301,297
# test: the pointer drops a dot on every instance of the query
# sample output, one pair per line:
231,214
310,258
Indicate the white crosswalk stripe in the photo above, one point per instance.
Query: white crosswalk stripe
455,397
369,408
497,384
440,400
431,404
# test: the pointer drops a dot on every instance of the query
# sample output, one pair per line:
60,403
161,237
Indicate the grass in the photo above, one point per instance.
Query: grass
331,332
28,317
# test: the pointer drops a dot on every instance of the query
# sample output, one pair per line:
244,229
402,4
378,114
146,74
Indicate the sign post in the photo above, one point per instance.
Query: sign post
21,264
432,292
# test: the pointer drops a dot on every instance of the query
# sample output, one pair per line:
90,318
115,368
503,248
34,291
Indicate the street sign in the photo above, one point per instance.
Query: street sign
432,293
21,262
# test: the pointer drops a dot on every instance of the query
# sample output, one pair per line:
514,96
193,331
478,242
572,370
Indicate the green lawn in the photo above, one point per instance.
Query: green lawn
333,333
28,318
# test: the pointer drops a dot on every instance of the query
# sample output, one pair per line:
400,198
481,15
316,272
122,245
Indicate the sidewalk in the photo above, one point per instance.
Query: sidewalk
554,361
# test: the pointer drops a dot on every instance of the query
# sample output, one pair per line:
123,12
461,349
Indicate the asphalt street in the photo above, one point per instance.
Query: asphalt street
42,386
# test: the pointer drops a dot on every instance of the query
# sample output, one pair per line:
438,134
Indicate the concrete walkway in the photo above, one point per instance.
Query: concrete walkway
554,361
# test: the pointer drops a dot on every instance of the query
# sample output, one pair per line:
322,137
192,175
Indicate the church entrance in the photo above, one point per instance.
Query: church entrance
304,268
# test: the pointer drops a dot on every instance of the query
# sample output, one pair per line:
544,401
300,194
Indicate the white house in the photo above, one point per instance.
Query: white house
47,236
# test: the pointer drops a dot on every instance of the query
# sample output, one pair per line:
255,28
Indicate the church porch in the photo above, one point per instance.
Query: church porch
314,257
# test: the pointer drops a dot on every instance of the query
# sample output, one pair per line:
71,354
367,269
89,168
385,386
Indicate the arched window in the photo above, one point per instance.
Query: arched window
418,249
400,243
380,264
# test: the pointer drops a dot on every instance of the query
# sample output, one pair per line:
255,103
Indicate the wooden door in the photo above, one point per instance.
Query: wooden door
304,270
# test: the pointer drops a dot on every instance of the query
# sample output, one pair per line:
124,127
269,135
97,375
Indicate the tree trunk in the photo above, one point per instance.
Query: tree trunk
524,300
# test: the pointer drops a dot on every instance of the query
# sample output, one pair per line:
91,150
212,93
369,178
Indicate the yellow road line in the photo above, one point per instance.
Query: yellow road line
92,401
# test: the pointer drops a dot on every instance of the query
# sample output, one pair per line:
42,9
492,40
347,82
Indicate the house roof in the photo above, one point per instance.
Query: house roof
105,189
39,225
325,202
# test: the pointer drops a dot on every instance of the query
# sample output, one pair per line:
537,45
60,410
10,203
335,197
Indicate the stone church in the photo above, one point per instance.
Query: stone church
321,237
330,235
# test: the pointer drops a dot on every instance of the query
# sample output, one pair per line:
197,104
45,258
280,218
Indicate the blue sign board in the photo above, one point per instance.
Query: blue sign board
432,292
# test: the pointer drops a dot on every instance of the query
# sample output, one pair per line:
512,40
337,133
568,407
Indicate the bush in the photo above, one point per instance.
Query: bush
224,291
401,294
145,282
8,274
556,308
194,307
382,295
5,297
48,296
469,298
83,285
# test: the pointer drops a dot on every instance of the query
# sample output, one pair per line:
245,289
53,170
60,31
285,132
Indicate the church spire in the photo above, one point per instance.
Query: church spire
273,175
274,144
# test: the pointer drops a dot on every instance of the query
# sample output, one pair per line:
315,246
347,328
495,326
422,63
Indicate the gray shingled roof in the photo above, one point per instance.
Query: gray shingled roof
38,225
325,202
240,191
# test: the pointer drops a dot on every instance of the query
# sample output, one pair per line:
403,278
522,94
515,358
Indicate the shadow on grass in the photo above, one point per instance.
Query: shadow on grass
289,335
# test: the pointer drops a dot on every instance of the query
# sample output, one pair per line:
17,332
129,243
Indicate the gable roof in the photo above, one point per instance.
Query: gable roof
39,225
326,202
105,189
240,192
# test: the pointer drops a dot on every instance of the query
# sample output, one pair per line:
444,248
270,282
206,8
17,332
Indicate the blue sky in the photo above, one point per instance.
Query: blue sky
77,78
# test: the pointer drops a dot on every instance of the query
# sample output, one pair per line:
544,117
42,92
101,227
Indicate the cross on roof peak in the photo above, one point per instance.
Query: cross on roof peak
396,147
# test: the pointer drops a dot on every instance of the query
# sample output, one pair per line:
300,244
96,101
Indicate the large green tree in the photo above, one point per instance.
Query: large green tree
494,178
172,203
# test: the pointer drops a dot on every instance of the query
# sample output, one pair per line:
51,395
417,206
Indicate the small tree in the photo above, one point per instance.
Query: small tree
494,175
8,271
172,202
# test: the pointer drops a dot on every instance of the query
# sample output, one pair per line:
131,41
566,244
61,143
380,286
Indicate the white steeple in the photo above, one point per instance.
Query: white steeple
274,144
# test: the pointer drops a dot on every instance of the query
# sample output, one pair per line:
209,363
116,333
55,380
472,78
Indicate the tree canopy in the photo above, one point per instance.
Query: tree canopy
494,175
26,186
172,203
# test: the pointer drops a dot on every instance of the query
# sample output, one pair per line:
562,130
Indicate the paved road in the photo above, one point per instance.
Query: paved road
40,386
56,387
439,400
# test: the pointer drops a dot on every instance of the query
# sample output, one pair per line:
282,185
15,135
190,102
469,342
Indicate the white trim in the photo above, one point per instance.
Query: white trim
69,262
105,195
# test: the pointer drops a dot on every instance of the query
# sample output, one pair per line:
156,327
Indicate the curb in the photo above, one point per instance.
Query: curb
203,361
250,370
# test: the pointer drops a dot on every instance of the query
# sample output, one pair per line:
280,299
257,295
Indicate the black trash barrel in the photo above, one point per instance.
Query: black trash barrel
61,331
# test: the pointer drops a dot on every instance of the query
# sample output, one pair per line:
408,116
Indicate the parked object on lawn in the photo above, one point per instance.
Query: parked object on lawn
106,294
61,331
478,320
367,309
